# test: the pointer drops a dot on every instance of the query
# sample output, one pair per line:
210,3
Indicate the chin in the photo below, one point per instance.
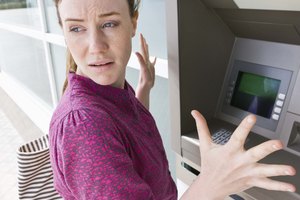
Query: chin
110,82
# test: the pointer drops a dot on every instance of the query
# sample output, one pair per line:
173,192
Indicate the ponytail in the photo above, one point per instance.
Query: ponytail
71,66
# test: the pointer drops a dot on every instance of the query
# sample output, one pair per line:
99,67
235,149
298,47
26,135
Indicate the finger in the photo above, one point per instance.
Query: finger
146,47
267,170
141,60
202,129
154,61
153,69
270,184
240,134
142,47
153,75
262,150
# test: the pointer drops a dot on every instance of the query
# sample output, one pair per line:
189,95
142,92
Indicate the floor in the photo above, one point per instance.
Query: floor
15,130
8,160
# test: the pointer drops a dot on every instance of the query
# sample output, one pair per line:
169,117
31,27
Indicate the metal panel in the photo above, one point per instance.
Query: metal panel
284,33
294,104
173,73
277,26
205,45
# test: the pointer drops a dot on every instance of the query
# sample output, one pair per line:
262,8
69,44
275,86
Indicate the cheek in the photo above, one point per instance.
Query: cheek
76,47
123,50
123,42
77,53
75,41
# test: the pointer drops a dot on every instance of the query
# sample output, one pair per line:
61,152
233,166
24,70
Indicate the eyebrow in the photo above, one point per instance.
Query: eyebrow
100,16
109,14
73,19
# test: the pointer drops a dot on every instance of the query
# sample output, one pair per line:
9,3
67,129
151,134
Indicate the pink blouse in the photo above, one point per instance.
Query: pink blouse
104,144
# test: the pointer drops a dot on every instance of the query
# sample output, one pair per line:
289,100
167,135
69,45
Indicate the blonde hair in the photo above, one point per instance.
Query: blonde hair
71,66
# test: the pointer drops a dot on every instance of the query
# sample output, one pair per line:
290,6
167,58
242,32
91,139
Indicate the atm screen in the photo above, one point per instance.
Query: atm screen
254,93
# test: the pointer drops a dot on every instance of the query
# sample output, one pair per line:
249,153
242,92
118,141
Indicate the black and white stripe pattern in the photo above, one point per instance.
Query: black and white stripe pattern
35,178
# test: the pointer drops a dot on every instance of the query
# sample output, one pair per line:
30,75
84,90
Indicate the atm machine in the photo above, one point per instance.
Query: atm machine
230,58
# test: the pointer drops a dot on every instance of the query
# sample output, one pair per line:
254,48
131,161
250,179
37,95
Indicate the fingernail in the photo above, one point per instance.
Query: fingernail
287,172
192,113
250,120
275,146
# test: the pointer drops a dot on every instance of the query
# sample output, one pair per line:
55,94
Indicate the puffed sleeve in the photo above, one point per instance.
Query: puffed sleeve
91,162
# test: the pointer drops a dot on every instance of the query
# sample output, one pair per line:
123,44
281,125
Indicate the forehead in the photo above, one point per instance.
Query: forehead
83,8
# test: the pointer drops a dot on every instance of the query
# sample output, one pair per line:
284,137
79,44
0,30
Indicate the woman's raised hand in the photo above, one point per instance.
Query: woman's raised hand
147,73
228,169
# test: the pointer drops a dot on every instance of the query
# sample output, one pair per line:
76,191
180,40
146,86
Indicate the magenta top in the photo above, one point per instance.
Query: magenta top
104,144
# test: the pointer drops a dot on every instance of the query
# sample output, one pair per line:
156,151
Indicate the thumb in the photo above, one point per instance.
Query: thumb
203,131
154,61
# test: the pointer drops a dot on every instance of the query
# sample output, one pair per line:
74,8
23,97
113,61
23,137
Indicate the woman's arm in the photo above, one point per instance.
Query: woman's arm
228,169
147,74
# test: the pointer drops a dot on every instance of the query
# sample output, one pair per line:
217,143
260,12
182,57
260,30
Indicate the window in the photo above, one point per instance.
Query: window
20,12
23,58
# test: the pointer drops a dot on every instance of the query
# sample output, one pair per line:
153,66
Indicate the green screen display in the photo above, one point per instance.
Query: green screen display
255,93
259,85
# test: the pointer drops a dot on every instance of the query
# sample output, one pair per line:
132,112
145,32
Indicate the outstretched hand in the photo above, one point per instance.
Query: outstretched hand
228,169
147,73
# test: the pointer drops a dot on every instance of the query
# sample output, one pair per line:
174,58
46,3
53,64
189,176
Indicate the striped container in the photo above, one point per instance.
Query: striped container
35,177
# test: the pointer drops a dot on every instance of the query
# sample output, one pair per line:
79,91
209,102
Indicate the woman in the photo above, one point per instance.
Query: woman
104,142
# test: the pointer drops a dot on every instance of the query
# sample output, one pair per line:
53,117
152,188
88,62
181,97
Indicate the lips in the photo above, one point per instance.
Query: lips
101,63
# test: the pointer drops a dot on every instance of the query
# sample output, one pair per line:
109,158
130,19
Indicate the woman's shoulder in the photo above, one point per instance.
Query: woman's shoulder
84,125
73,111
78,114
71,101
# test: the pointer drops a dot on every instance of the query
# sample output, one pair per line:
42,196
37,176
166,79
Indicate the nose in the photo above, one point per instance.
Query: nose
98,42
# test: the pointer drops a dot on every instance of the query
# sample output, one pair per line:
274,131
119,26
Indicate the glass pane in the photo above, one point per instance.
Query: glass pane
23,58
52,20
152,24
21,12
59,64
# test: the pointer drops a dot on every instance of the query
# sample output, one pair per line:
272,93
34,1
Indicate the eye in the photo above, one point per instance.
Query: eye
75,29
109,25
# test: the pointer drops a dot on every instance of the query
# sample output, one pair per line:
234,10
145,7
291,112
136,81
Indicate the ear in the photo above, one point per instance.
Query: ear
134,22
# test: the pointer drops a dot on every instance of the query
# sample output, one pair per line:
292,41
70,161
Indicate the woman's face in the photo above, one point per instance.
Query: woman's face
98,34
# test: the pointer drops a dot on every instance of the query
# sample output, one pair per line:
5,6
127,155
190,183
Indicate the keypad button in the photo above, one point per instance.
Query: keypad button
221,136
281,96
277,110
279,103
275,117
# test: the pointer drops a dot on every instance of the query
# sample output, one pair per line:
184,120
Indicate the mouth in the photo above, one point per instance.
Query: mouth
100,63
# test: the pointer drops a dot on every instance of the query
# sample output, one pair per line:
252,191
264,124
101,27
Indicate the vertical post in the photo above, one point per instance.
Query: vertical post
49,63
